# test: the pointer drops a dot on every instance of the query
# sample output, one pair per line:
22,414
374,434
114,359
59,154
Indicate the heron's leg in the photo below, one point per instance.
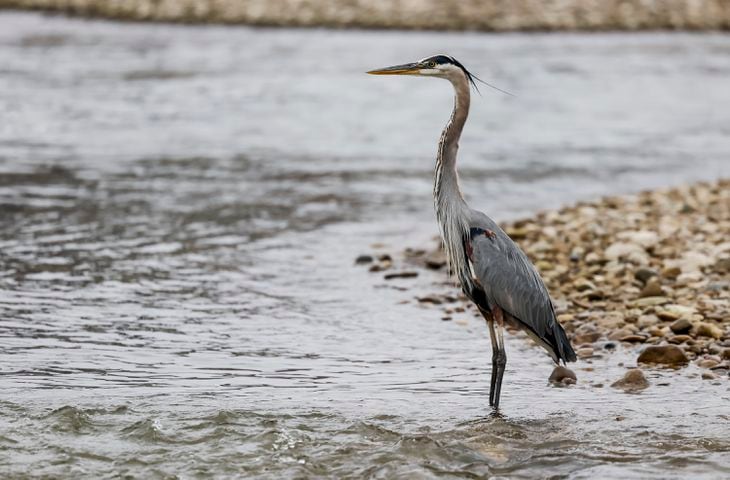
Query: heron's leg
501,360
495,348
493,337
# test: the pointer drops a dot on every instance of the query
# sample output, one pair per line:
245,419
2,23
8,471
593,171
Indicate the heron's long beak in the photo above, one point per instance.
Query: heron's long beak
405,69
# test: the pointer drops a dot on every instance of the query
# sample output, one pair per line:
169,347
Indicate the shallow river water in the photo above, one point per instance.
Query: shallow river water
180,207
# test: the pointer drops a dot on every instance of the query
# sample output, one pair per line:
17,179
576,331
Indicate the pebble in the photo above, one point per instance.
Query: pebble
704,329
610,320
663,354
644,238
652,288
673,311
646,321
407,274
681,326
362,259
433,299
435,260
655,331
586,336
582,285
671,272
679,339
632,381
379,267
722,265
634,338
630,252
708,363
709,376
593,259
563,375
643,274
650,301
619,334
585,352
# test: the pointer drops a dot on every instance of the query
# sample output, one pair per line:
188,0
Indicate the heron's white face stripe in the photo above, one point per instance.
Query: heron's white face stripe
441,70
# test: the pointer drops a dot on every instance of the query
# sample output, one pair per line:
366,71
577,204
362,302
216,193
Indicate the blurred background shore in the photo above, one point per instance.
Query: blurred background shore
494,15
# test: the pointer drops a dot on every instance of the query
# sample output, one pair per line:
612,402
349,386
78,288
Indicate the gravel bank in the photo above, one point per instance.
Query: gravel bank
650,271
497,15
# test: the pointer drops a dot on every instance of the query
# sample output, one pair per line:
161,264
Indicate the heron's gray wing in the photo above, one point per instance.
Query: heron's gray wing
511,282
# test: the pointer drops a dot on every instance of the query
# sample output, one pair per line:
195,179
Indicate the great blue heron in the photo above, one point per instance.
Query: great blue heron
493,271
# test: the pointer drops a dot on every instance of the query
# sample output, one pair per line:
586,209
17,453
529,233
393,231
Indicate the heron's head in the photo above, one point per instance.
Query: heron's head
441,66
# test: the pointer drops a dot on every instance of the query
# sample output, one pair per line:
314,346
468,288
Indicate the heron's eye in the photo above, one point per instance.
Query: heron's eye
432,64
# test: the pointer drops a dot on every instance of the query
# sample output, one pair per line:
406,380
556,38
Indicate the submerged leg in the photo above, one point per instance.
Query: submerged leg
493,337
501,359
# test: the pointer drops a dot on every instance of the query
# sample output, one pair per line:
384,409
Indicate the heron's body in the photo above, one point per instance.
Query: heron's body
492,270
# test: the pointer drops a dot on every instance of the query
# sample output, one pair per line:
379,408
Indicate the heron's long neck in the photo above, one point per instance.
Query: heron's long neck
452,211
446,184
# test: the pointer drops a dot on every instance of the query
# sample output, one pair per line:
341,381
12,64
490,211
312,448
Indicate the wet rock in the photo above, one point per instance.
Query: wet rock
671,272
677,339
646,321
634,338
644,238
722,265
379,267
363,259
585,352
726,354
414,252
406,274
586,335
610,320
517,233
563,375
582,285
652,288
592,258
704,329
435,260
650,301
708,363
655,331
594,295
619,334
544,265
693,261
643,274
709,376
432,299
565,317
673,312
630,252
663,354
633,381
680,326
385,257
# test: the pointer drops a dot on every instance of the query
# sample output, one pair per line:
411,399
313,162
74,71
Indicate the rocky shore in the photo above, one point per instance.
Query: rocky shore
650,271
499,15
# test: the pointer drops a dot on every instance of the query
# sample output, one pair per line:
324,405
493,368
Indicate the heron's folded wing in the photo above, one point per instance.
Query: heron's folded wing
510,281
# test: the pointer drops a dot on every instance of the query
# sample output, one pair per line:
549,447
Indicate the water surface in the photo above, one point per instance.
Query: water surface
180,207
